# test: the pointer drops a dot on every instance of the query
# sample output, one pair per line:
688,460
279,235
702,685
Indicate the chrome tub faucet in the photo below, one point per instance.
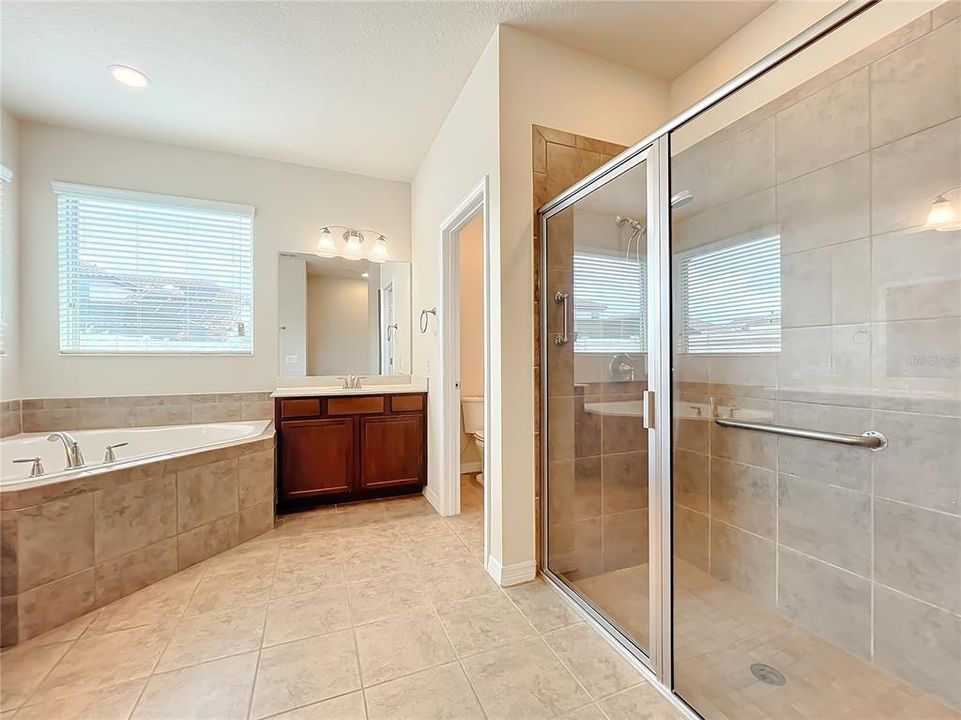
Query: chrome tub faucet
71,447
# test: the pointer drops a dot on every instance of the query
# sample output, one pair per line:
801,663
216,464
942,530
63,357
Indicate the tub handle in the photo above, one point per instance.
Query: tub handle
36,469
110,456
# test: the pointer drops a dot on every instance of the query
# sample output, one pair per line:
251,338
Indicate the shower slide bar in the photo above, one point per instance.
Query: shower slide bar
871,439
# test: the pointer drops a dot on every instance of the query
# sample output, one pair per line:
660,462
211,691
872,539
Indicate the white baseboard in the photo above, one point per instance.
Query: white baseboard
513,574
471,467
433,499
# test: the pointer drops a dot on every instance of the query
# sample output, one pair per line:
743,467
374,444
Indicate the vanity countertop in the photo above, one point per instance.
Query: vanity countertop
316,390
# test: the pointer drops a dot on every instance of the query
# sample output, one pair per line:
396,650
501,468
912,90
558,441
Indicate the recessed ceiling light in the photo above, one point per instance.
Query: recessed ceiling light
365,275
128,76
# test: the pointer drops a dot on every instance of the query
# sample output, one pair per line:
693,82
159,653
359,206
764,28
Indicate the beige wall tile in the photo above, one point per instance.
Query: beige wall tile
206,541
917,552
945,12
256,478
744,496
826,522
256,520
625,538
692,537
743,165
745,560
47,606
830,602
918,643
692,479
135,514
827,286
918,355
128,573
917,275
917,86
829,359
625,482
753,214
206,493
55,539
48,420
828,126
560,443
216,412
153,415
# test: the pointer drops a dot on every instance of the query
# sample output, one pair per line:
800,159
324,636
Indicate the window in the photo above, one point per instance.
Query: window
610,296
731,297
144,274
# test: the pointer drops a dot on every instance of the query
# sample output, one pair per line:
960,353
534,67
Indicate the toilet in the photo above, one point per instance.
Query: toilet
472,409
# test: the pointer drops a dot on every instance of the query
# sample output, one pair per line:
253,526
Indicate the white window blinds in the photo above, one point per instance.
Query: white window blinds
731,297
143,273
610,297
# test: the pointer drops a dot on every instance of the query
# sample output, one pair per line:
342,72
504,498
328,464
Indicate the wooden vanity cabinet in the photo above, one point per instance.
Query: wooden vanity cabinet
352,447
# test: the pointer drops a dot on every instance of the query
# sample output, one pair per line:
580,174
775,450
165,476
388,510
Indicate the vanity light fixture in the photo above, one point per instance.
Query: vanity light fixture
942,215
128,76
325,244
354,241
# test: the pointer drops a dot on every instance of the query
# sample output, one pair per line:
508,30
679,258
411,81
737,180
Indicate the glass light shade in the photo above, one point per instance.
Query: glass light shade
378,253
352,248
325,244
942,215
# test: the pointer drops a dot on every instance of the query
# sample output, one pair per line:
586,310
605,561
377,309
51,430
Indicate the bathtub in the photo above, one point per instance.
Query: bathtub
142,444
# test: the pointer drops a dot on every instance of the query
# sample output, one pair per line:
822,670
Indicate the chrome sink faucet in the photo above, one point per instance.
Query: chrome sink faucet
71,447
352,382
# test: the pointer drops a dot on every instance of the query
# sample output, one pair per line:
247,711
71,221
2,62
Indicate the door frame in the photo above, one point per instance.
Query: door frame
474,203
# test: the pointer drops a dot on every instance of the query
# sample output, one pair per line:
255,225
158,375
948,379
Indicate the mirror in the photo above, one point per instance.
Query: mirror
339,316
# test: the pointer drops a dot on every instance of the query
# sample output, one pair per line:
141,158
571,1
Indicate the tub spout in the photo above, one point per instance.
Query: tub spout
71,447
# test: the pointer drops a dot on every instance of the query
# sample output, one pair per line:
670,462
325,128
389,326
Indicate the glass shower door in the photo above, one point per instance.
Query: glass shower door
595,351
816,286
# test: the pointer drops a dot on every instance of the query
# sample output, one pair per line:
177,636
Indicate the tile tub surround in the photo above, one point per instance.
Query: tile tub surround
72,546
95,413
860,548
409,637
9,418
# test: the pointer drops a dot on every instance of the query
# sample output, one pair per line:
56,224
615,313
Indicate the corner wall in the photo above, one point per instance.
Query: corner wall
10,282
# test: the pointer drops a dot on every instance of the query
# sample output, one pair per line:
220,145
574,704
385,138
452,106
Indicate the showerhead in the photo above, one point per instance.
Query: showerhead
681,198
635,224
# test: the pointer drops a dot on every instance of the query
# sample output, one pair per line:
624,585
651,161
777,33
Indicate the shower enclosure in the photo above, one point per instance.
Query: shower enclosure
751,323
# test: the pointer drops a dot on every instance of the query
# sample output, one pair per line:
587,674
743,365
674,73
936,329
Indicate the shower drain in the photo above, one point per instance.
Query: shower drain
767,674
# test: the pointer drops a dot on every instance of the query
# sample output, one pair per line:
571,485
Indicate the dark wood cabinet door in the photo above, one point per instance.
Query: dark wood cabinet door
392,451
317,458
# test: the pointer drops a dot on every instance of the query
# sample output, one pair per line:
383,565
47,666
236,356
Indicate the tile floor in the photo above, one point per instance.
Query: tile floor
380,610
719,633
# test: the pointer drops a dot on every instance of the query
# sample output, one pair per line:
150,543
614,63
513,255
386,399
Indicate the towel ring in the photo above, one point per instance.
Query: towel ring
424,320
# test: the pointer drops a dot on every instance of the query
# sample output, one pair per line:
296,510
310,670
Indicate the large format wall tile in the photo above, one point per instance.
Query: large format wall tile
206,493
918,643
919,553
753,214
826,207
625,538
917,86
917,275
834,360
830,602
744,559
827,522
827,286
907,174
624,479
828,126
256,478
743,165
692,537
692,480
744,496
920,465
54,540
135,514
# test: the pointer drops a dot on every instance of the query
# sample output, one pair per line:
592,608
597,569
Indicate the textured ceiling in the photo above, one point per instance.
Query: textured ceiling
355,86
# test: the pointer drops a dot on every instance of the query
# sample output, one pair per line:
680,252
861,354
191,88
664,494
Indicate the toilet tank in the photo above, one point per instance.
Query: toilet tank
473,411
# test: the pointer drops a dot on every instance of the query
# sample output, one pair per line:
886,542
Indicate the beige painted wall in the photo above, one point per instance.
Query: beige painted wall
292,316
10,282
292,203
338,340
472,307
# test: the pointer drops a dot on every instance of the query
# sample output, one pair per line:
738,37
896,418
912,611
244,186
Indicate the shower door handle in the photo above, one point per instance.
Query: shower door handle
561,299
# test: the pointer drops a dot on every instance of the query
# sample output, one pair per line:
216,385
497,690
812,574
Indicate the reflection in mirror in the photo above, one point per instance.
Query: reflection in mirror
338,316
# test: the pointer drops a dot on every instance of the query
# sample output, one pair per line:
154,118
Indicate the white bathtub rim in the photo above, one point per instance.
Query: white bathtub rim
63,476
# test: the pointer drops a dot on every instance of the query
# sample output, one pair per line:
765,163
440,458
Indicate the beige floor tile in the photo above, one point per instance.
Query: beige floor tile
253,557
296,575
346,707
413,506
219,689
483,623
233,589
588,712
439,550
641,702
213,635
459,581
111,703
601,670
64,633
322,547
99,661
22,669
157,604
387,596
422,526
401,645
305,671
524,680
293,617
377,563
442,692
543,605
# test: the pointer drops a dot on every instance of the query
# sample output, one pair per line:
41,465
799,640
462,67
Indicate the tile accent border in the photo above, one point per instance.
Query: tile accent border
68,548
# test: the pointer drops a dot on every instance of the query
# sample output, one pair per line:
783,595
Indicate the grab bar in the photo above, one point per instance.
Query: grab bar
561,299
871,439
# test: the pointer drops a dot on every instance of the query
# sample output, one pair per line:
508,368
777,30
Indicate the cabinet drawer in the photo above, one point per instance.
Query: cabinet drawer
361,405
406,403
300,407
